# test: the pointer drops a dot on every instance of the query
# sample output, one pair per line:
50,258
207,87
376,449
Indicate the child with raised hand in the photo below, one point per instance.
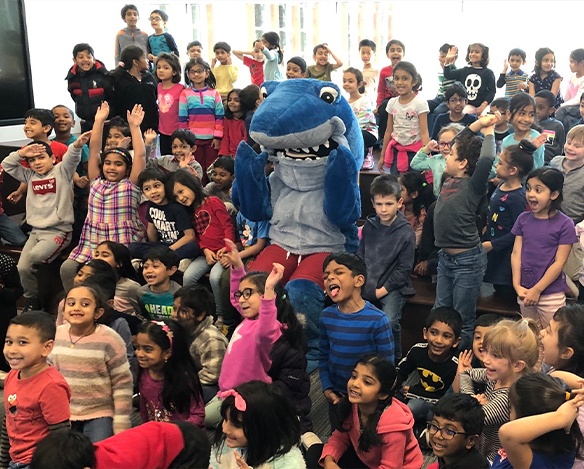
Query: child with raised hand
134,84
49,206
160,42
169,385
169,224
248,355
407,121
454,432
127,296
462,259
212,224
225,72
424,160
417,198
234,130
88,352
543,240
323,68
254,60
201,111
511,351
372,428
515,80
258,429
114,196
543,431
505,206
521,116
273,54
544,76
169,90
476,77
183,148
193,308
361,105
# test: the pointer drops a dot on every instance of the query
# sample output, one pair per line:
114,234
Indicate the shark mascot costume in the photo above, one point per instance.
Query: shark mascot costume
310,133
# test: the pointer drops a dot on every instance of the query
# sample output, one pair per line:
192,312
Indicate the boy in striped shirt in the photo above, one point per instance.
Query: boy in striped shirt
350,328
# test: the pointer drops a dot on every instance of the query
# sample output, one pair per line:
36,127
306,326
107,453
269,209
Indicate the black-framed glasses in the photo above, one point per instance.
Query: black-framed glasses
446,433
245,293
445,144
196,72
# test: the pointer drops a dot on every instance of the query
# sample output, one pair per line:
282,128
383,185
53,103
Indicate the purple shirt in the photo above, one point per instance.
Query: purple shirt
541,239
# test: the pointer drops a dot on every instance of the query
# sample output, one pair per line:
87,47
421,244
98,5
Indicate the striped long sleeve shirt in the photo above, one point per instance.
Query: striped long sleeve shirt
97,370
345,338
201,112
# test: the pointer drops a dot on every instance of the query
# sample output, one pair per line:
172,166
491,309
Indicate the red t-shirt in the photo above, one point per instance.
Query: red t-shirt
31,406
256,69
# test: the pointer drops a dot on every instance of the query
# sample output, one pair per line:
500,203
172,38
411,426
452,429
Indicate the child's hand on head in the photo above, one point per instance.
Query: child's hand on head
149,137
32,150
102,112
232,254
136,116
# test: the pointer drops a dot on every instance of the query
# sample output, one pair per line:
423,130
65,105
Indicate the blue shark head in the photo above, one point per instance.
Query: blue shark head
305,119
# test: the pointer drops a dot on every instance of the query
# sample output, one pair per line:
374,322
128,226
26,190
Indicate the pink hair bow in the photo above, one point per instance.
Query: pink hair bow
239,401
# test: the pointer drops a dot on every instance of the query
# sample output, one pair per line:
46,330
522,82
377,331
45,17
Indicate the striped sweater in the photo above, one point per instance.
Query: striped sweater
201,112
98,373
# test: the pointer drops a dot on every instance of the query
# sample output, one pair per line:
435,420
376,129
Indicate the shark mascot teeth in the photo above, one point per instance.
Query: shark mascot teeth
310,133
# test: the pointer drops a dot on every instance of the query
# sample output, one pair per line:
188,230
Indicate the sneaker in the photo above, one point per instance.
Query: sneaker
424,440
31,304
137,264
368,162
308,439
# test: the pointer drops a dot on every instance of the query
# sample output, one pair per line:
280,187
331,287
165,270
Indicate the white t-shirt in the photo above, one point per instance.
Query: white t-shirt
406,119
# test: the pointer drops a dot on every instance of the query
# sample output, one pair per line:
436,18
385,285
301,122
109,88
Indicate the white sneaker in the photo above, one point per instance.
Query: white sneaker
308,439
368,162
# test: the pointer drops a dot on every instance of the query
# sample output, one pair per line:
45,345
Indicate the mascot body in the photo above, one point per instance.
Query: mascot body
308,130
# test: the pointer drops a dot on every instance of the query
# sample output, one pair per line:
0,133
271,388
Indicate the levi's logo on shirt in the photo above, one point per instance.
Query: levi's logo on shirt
44,186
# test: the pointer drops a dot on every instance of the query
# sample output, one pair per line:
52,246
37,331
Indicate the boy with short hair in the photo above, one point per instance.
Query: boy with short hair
349,329
322,69
483,324
36,396
254,60
183,147
395,51
515,80
49,206
160,41
169,224
130,35
367,51
89,83
434,362
456,99
388,246
437,104
572,167
194,49
194,308
156,299
502,128
222,177
225,72
553,128
454,432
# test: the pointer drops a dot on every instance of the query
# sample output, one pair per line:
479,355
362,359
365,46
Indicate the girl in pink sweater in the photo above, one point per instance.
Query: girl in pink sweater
257,296
372,423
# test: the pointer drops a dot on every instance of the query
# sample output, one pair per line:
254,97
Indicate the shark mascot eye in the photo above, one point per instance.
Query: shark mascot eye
311,200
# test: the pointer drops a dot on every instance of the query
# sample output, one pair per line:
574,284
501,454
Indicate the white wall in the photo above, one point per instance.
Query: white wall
55,26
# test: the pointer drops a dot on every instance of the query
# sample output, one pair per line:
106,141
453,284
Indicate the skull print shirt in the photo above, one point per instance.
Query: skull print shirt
479,83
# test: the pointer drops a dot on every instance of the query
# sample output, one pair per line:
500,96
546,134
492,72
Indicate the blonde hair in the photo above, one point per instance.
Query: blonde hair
576,133
516,341
454,128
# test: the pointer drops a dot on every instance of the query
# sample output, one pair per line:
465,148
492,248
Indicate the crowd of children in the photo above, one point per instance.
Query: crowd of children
152,173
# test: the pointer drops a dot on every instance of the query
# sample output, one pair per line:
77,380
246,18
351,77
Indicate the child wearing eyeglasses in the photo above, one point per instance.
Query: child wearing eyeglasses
454,432
456,99
258,297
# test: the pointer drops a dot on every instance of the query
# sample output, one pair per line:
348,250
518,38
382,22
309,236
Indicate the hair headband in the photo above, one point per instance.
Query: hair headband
122,152
166,330
239,401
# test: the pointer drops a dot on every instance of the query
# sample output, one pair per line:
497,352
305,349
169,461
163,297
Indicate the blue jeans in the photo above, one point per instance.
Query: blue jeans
392,305
95,429
421,410
17,465
460,277
11,232
197,269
